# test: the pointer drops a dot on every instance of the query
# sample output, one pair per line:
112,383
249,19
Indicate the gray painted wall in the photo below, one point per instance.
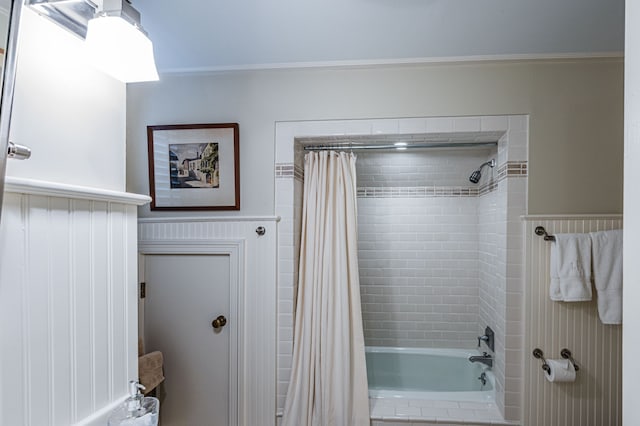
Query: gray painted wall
575,108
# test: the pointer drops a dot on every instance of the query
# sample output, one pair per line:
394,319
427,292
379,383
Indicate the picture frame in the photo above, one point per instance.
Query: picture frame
194,166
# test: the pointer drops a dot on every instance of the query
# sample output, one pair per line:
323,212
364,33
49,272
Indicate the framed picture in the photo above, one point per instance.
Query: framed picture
194,166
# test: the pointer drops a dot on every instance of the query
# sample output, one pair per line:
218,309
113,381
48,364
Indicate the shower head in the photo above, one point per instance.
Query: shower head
477,174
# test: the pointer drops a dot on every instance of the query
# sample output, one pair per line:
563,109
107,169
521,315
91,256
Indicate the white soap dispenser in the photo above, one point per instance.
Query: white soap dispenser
137,410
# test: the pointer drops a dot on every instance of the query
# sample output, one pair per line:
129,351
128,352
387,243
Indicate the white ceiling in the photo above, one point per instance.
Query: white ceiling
191,35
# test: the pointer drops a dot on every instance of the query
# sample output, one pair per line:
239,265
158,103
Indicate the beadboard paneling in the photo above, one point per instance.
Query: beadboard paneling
257,387
67,267
595,398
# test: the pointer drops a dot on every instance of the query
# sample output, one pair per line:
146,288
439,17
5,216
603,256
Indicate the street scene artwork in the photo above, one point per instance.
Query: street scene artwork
194,165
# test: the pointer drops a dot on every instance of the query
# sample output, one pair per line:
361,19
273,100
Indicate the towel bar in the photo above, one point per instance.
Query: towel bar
543,233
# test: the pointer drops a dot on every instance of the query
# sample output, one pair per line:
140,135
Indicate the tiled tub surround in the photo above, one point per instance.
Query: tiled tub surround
434,271
457,397
420,412
418,260
419,246
428,373
441,167
503,279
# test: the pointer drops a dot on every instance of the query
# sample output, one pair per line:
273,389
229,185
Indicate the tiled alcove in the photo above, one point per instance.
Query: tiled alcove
501,202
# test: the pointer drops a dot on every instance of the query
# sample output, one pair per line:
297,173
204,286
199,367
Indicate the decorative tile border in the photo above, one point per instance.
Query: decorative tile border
288,170
489,187
512,169
416,192
509,169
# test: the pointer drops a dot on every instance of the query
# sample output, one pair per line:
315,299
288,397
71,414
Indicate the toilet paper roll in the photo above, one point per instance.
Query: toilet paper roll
561,370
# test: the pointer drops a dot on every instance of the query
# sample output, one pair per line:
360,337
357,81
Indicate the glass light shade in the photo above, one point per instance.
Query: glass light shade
120,49
400,146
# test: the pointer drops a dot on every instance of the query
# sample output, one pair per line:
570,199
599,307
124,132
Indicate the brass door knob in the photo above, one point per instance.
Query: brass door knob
221,321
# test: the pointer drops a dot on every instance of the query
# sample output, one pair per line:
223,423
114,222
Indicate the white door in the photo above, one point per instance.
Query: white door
185,293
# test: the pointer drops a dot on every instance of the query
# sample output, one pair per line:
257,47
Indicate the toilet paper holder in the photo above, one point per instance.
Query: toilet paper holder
538,354
564,353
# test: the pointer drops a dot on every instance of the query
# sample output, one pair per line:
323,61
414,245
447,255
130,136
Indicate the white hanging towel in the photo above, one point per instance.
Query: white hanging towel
570,268
607,274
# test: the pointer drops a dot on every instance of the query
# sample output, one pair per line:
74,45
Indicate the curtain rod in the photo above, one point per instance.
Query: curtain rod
399,147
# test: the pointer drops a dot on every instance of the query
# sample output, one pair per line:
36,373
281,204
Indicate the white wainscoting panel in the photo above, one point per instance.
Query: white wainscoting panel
595,398
256,401
68,323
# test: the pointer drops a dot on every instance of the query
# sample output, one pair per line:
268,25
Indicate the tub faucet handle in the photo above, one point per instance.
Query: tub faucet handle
483,338
488,338
483,378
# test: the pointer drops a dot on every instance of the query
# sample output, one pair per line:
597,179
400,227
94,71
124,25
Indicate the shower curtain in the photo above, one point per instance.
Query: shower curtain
328,385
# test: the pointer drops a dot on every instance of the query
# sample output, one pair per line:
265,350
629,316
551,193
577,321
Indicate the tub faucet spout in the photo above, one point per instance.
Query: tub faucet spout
485,358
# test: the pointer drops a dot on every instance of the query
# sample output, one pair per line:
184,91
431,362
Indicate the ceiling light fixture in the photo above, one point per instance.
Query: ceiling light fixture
116,42
118,45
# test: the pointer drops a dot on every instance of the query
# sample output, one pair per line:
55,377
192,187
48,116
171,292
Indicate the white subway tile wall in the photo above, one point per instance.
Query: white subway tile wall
394,411
416,168
491,282
418,260
513,299
439,258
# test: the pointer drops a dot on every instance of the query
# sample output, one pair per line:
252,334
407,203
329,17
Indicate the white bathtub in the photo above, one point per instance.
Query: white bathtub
437,374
